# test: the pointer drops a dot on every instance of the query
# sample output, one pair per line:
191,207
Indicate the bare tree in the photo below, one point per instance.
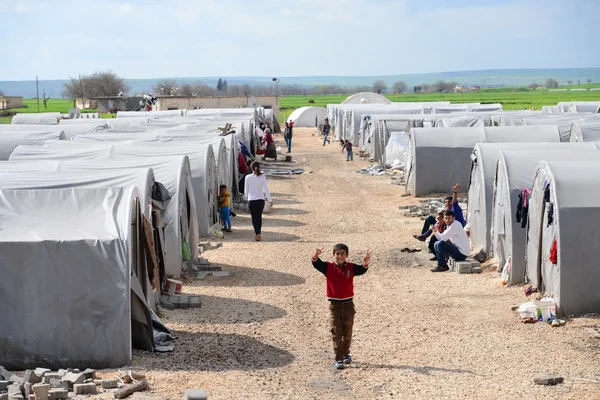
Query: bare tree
98,84
425,87
166,87
1,93
551,83
379,86
400,87
533,86
569,82
45,98
247,90
187,90
589,80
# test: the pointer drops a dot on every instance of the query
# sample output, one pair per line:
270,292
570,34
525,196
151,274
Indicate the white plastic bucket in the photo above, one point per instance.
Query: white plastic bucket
545,310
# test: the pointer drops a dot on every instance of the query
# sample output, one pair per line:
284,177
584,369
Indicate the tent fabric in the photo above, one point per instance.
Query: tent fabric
439,157
485,107
76,258
151,114
515,172
573,281
308,116
9,140
27,127
481,184
50,118
585,132
584,106
366,98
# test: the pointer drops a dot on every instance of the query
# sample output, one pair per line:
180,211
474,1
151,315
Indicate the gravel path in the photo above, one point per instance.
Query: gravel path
263,332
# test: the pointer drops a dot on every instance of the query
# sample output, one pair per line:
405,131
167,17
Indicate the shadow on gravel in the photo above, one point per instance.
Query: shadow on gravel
414,368
288,211
247,235
224,310
245,221
286,201
204,351
251,277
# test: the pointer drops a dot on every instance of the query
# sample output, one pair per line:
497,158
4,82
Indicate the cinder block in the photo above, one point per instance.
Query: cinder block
18,396
167,305
476,270
3,396
4,386
462,267
220,273
52,375
58,394
184,302
195,302
40,372
59,384
89,373
27,388
195,394
203,261
15,389
31,397
31,377
84,388
109,384
41,391
201,275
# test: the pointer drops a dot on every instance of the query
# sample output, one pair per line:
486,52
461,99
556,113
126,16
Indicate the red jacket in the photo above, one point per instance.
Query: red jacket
340,279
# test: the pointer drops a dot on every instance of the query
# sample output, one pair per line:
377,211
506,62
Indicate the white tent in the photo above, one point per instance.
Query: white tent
549,109
439,157
584,106
481,183
485,107
570,205
585,132
69,259
10,140
515,172
50,118
366,98
308,116
151,114
27,127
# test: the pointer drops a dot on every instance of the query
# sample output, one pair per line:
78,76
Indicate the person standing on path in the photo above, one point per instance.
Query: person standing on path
270,150
326,130
287,135
225,207
348,147
340,292
256,188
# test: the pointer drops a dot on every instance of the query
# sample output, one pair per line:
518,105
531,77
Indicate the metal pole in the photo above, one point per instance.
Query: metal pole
37,92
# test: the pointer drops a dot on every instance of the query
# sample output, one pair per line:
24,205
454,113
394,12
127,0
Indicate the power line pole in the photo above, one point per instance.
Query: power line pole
37,91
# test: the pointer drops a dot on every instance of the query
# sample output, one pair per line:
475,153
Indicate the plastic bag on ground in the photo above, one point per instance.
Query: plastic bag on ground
527,310
215,231
396,147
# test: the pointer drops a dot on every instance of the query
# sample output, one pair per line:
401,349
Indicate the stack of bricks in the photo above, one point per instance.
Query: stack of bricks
183,302
464,267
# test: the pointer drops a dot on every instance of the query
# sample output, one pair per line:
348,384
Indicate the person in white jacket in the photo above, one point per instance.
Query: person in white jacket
454,242
256,189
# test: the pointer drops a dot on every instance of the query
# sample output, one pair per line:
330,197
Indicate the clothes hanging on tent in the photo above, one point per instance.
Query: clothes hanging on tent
554,253
550,214
523,207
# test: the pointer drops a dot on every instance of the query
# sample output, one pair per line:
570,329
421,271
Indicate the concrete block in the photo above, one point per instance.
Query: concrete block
31,377
16,397
58,394
73,378
40,372
195,394
3,396
201,276
184,302
220,273
59,384
27,389
84,388
98,381
31,397
89,373
195,302
4,386
15,389
109,384
41,391
52,375
203,261
476,270
9,376
166,305
462,267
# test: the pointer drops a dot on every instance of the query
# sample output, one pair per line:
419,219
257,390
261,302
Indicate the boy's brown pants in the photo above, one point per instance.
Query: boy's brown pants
342,321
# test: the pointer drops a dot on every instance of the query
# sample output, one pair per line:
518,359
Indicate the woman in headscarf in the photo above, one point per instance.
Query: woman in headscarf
270,151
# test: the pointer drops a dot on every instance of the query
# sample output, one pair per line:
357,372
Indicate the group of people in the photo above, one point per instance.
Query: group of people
446,232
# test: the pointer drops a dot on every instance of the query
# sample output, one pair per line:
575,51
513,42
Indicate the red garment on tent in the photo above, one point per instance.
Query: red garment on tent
553,253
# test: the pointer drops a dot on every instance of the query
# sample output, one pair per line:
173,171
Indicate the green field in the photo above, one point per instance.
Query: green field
510,98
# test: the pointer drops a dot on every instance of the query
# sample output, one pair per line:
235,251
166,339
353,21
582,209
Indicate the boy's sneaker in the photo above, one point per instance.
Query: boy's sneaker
339,365
348,359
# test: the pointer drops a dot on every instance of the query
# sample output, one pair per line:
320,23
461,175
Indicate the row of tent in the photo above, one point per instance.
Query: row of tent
91,227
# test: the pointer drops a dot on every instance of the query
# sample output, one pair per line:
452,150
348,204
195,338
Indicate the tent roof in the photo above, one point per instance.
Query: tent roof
366,98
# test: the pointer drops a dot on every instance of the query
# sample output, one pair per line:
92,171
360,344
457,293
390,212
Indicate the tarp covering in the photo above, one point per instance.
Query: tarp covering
584,106
50,118
151,114
9,140
308,116
66,273
366,98
481,184
574,279
516,170
585,132
438,157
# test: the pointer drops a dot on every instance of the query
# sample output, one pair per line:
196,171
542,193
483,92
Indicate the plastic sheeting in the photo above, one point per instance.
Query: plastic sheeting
438,157
574,280
515,172
36,118
66,272
482,178
9,140
308,116
585,132
366,98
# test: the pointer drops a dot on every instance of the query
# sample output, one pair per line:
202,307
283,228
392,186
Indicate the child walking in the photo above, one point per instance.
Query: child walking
340,292
225,207
348,147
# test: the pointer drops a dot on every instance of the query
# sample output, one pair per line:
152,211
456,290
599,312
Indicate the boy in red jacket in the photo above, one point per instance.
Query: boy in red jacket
340,291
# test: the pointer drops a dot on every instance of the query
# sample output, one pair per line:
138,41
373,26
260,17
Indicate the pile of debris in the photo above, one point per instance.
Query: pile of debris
45,384
428,207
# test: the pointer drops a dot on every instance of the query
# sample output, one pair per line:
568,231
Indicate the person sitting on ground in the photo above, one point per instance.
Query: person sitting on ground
348,147
452,243
225,208
270,151
451,203
441,227
326,130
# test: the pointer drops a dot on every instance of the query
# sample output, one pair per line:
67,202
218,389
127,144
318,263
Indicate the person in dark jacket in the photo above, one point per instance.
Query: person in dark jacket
340,292
287,135
326,130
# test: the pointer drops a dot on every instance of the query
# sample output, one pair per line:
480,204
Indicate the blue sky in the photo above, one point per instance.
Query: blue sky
192,38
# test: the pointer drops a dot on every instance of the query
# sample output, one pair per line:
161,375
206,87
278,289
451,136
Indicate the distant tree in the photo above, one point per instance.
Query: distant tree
99,84
589,80
1,93
362,88
379,86
220,85
551,83
187,90
167,87
417,89
247,90
225,85
533,86
569,82
426,87
45,98
400,87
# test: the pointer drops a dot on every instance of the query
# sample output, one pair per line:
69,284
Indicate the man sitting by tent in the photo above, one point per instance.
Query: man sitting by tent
452,243
450,203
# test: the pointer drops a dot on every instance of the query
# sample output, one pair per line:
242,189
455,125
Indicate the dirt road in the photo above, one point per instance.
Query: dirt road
263,332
